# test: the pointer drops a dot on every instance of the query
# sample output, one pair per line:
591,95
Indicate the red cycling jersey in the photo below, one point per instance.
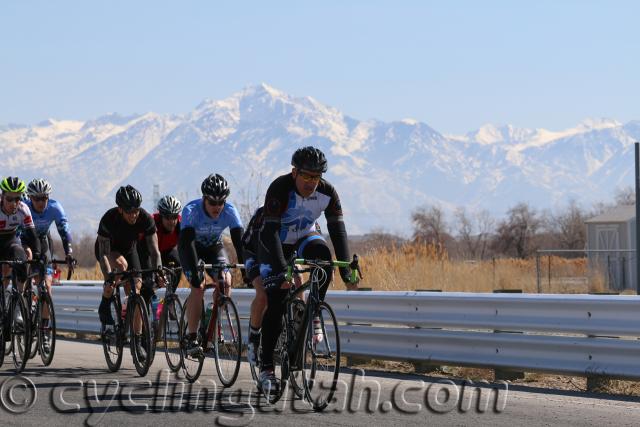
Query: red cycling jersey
166,241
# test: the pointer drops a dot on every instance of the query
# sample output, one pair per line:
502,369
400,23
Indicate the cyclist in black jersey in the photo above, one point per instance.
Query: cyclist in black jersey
292,205
115,246
15,214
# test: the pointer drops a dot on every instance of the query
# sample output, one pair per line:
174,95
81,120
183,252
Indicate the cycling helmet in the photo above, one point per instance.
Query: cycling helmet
38,187
215,186
310,159
12,184
169,205
128,198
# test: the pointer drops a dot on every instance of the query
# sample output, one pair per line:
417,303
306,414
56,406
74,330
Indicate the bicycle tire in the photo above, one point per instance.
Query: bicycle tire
227,342
191,365
170,320
112,336
153,333
48,331
295,377
20,333
3,328
321,359
33,312
139,344
253,367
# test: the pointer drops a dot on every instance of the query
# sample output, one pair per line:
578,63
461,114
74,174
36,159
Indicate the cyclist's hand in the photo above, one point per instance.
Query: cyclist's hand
69,260
108,283
161,281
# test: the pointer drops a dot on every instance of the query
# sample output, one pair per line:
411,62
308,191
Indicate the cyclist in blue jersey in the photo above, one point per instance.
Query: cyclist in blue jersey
203,221
45,211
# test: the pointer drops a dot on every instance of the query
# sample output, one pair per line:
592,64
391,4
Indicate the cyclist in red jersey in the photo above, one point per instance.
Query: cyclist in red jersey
167,221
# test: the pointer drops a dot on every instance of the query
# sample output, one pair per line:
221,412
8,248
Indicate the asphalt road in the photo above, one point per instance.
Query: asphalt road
78,389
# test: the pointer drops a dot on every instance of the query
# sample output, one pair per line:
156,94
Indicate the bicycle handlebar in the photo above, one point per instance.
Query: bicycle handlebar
356,274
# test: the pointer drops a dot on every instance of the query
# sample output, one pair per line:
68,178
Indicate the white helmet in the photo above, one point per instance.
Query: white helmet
169,205
38,187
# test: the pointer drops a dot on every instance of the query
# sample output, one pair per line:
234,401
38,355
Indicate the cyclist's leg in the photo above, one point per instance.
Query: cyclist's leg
259,303
46,248
216,255
16,252
133,263
272,321
315,247
196,295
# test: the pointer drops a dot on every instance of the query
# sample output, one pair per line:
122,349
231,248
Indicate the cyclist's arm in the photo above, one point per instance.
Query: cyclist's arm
236,239
154,252
187,250
104,249
29,237
275,204
271,243
338,232
62,224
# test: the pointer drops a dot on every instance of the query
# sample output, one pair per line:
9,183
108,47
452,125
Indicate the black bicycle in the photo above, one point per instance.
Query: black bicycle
42,314
16,319
134,318
310,346
221,329
164,319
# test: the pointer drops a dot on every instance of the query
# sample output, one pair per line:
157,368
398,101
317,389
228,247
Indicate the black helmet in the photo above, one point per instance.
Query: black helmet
128,198
215,186
169,205
309,158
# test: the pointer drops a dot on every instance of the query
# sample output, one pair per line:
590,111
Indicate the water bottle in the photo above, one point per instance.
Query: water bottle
207,313
154,307
158,312
317,330
124,308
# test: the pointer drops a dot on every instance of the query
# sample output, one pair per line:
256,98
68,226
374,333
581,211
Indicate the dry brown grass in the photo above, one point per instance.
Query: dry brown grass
414,266
428,267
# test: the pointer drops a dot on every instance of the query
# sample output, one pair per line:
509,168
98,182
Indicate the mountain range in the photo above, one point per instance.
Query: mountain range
382,170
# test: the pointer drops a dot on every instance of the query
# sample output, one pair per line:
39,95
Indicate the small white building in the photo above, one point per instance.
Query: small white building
614,233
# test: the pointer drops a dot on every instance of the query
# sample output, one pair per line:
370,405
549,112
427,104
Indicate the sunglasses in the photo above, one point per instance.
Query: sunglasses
170,217
131,211
215,202
12,199
306,177
40,198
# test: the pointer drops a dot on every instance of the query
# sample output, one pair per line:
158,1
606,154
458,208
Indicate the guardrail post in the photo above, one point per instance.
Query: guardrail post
504,374
355,360
422,367
599,383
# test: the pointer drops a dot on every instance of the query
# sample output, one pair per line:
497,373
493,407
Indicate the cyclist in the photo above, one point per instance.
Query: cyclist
45,211
14,214
292,205
115,247
203,221
167,221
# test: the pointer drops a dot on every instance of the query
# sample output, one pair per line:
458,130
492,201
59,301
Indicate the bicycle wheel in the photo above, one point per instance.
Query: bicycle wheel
33,310
191,364
3,328
46,333
153,333
171,315
139,339
321,357
227,342
280,366
20,332
113,336
254,368
295,377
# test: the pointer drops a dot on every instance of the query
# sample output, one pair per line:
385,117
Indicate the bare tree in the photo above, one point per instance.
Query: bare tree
569,227
250,197
516,234
429,225
473,232
625,196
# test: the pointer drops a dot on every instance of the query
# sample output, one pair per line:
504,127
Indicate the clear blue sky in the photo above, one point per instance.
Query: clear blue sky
453,64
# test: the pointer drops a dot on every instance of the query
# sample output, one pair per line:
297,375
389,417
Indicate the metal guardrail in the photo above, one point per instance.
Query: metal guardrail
566,334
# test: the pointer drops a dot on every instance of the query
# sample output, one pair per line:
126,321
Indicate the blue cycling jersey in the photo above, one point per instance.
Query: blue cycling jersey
53,213
209,230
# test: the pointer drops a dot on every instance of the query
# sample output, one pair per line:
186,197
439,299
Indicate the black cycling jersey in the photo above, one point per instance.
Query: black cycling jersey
122,234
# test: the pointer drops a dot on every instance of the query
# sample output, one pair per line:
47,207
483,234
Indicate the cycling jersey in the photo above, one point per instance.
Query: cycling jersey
289,218
52,213
209,230
122,234
200,231
10,224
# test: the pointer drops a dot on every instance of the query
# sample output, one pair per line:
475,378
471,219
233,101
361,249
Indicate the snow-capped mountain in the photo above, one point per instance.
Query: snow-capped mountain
381,170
